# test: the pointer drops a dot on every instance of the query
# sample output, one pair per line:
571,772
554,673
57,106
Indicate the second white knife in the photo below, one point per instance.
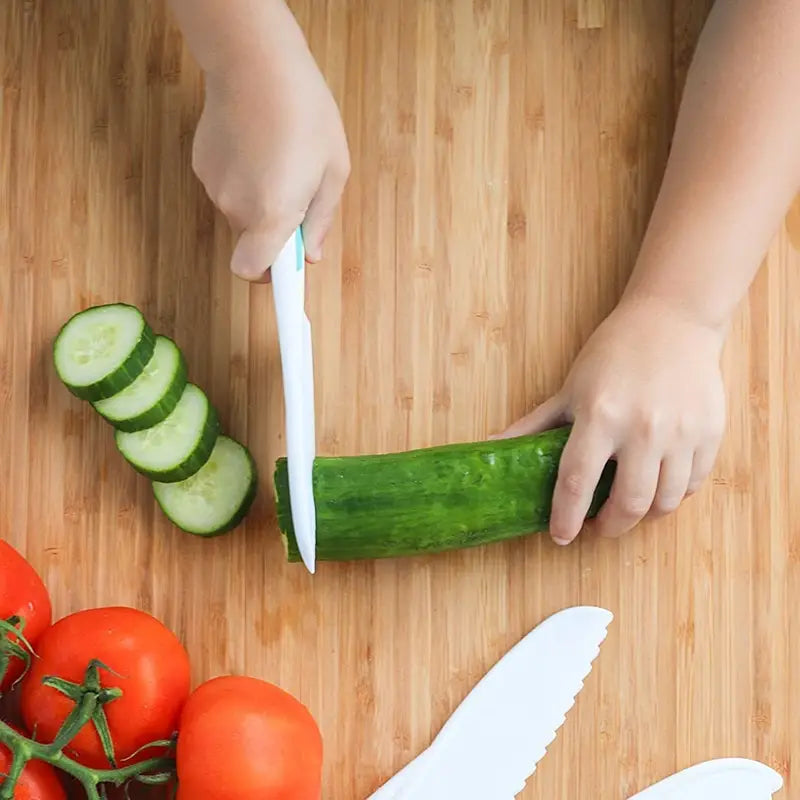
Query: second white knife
492,743
720,779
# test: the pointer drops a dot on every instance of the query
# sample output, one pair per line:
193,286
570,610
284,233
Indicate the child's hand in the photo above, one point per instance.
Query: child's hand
646,390
271,151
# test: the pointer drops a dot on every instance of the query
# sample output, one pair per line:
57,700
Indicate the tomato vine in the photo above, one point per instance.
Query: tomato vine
90,698
13,644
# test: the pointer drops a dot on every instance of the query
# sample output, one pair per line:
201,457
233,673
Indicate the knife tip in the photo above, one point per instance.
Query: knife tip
310,563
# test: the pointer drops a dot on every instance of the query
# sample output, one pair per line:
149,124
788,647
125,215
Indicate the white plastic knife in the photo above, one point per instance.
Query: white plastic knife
294,337
720,779
490,746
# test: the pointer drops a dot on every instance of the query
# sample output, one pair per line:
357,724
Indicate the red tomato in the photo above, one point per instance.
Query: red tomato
155,681
244,739
37,782
22,594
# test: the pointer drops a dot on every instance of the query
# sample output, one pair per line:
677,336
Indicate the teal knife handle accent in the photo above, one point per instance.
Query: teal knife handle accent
299,245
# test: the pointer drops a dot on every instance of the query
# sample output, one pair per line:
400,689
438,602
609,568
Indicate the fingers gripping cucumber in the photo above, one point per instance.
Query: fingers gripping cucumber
102,350
152,397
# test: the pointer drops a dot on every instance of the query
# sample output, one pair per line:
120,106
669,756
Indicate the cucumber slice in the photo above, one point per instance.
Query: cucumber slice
102,350
178,446
217,497
152,397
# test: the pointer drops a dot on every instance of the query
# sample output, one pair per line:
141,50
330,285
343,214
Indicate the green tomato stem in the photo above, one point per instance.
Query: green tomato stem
75,721
18,763
20,649
25,750
89,697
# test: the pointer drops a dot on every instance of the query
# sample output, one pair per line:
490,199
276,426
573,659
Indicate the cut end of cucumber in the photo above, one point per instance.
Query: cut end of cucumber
152,397
102,350
217,497
177,447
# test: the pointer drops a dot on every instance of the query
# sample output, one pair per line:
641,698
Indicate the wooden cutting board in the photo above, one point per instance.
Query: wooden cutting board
505,158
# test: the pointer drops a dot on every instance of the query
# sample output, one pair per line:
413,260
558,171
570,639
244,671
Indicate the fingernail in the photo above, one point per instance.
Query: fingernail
561,542
313,253
245,275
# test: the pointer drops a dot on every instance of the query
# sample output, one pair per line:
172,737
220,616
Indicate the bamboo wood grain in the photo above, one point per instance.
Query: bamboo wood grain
506,155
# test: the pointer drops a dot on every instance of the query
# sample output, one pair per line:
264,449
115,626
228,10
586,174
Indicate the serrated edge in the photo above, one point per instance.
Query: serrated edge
581,684
401,791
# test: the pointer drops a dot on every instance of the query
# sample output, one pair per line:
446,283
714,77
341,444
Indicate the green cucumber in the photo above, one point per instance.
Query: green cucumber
152,397
431,500
177,447
217,497
102,350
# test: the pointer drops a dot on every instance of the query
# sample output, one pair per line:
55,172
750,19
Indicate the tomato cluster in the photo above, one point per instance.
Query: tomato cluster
231,737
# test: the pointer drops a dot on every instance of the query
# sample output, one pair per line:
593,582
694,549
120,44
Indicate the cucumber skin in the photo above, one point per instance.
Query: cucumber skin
160,411
193,462
124,375
236,519
433,499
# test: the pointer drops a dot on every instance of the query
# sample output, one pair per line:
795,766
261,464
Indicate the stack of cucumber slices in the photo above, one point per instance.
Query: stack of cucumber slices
164,426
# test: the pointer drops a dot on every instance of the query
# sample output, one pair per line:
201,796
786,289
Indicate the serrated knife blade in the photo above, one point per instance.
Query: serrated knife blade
492,743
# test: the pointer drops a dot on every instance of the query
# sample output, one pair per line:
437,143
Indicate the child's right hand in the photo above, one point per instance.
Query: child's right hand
271,152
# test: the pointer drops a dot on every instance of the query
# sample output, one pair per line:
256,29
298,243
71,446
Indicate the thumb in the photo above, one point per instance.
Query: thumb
256,251
543,417
321,212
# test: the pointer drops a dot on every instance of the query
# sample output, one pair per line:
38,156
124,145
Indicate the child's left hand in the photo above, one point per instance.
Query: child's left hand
647,391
